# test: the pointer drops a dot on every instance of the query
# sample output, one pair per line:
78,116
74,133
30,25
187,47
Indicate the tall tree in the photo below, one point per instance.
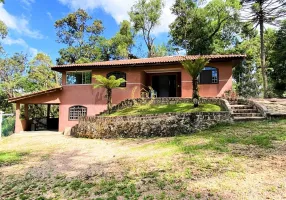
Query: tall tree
76,31
12,74
3,33
109,84
196,29
278,62
261,12
145,16
194,68
40,76
123,41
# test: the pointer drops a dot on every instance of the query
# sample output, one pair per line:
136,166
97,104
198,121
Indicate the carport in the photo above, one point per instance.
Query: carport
48,99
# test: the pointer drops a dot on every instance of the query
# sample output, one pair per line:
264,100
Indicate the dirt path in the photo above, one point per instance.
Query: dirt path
60,167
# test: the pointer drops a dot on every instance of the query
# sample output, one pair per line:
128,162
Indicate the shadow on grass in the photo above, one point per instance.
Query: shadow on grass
11,158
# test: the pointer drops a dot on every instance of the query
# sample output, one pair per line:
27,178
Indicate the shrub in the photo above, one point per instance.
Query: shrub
8,126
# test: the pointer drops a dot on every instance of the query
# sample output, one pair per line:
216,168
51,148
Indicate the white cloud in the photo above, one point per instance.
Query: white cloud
50,15
10,41
19,24
119,10
27,2
32,51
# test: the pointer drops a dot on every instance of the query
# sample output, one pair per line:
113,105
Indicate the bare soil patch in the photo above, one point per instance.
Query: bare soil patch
240,161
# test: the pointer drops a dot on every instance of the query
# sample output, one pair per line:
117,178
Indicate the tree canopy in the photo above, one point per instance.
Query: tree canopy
145,16
261,12
204,30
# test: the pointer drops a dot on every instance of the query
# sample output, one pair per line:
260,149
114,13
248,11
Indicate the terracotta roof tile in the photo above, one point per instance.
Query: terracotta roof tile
156,60
26,96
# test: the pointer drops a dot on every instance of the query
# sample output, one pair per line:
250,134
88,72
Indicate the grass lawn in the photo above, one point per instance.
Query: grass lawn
9,158
239,161
155,109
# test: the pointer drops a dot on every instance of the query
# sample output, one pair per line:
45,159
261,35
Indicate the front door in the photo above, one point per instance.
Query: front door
164,85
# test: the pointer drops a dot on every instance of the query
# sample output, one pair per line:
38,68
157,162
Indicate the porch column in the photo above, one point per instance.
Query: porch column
48,114
48,111
26,106
18,123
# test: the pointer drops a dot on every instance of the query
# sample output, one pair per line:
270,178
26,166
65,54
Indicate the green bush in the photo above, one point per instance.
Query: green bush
8,126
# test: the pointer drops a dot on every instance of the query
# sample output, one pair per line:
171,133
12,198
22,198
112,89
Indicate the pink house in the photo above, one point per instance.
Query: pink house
76,97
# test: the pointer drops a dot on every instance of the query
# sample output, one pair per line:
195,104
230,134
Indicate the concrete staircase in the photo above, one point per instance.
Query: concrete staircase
245,112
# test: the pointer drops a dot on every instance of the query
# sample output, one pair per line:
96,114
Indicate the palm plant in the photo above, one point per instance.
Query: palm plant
194,68
109,84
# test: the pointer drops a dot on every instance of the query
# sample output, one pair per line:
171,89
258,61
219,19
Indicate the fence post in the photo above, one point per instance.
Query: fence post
1,118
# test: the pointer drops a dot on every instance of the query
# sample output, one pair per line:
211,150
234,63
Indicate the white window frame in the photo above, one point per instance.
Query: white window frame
77,72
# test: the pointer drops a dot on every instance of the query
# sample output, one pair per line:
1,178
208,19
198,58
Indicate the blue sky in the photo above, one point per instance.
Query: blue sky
31,22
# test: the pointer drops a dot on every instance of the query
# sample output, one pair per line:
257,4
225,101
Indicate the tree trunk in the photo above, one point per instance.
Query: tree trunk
109,100
262,54
195,92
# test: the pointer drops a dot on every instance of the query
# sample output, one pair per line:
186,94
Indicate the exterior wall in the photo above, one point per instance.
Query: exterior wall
137,78
210,90
94,99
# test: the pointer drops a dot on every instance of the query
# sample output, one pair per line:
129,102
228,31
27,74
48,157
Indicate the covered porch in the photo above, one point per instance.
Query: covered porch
165,83
37,111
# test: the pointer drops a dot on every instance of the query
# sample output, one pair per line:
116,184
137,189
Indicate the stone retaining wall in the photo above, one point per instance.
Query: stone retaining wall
159,125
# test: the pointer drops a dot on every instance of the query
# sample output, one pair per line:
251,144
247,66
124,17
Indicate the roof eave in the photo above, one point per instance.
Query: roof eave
15,99
95,66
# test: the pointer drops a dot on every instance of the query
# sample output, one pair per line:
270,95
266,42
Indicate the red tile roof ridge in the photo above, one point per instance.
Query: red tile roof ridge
140,61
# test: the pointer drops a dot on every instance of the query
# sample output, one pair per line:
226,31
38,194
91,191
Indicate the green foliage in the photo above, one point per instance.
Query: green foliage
194,68
261,12
156,109
145,16
11,76
9,158
85,42
18,77
123,41
75,31
8,126
278,62
109,84
3,33
3,30
40,76
247,85
204,30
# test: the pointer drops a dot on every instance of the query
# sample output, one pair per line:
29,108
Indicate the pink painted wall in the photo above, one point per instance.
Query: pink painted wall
95,101
210,90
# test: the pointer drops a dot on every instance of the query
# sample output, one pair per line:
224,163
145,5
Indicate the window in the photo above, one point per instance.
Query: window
76,112
82,77
118,75
209,75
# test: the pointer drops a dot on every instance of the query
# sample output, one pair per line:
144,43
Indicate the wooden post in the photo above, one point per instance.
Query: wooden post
18,124
48,114
26,112
1,118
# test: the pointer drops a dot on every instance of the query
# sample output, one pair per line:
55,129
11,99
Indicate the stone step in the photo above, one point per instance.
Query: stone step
245,111
248,118
241,107
247,115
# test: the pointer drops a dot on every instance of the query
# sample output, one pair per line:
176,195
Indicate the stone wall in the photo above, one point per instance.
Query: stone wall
159,125
224,104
